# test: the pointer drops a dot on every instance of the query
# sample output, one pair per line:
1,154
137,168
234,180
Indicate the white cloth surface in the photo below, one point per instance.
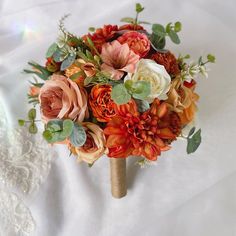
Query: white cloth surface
179,196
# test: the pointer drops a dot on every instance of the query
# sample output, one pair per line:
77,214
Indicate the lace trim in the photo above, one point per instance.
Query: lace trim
25,161
15,217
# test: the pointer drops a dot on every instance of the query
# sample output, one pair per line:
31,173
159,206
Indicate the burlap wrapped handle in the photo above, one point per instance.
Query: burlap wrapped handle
118,177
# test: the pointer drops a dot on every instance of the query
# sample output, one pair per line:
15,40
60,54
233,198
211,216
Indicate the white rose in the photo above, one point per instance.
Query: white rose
149,70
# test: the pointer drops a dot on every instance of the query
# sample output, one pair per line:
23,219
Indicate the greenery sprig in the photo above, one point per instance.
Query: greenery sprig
32,127
193,140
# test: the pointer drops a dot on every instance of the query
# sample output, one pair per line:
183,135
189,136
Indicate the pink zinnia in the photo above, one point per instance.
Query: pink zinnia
117,59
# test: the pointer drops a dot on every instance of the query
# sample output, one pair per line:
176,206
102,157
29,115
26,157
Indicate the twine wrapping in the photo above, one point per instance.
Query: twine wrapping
118,177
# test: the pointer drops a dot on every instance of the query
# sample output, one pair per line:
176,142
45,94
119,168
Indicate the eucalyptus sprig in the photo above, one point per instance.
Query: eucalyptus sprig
32,127
122,93
59,130
138,8
159,34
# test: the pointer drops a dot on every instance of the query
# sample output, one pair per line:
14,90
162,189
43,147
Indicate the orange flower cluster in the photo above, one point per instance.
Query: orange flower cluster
102,35
146,134
168,60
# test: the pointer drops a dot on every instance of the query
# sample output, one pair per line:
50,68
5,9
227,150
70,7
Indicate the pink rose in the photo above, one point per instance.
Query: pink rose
137,42
62,98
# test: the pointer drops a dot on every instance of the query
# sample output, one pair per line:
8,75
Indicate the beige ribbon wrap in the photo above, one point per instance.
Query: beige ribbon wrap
118,177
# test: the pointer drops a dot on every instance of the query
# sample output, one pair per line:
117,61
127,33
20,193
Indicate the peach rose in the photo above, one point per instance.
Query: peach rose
61,98
138,42
94,146
100,101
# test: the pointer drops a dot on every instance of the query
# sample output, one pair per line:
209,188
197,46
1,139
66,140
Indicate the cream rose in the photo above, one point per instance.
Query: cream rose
94,146
148,70
62,98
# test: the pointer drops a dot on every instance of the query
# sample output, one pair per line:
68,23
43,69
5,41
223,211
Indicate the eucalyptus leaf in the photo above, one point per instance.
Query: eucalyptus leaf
142,105
178,26
141,89
58,56
157,42
51,50
32,114
120,94
55,125
21,122
174,37
159,30
191,131
78,136
68,126
47,135
194,142
128,20
33,128
68,62
139,8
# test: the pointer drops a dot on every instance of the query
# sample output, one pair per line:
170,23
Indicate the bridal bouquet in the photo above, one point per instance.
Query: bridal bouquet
116,91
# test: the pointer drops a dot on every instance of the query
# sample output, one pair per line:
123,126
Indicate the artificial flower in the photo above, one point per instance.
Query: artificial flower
117,59
168,60
148,70
180,97
61,98
100,101
131,133
138,42
102,35
94,146
34,91
131,27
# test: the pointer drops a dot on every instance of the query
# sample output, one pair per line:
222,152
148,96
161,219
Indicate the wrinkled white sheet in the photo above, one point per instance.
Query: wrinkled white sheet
181,195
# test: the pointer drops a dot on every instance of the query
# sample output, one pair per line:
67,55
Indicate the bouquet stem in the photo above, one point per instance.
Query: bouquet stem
118,177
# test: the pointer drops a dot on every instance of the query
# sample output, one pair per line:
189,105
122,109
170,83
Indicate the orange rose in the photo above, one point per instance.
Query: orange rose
137,42
100,101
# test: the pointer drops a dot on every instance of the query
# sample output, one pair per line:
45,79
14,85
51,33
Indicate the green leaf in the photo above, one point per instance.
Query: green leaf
211,58
40,71
194,142
91,29
32,114
58,56
89,55
120,95
128,20
77,75
51,50
33,128
55,125
67,62
88,80
47,135
141,90
168,27
158,43
68,126
78,136
178,26
191,131
128,84
142,105
159,30
21,122
144,23
139,8
174,37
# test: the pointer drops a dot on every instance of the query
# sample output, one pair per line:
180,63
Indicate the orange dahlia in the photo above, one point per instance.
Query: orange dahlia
168,60
102,35
101,104
131,133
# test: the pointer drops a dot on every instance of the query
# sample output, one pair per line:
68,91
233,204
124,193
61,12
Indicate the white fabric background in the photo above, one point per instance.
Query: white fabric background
181,195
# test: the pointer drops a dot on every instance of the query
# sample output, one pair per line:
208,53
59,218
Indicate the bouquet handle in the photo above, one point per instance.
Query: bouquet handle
118,177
